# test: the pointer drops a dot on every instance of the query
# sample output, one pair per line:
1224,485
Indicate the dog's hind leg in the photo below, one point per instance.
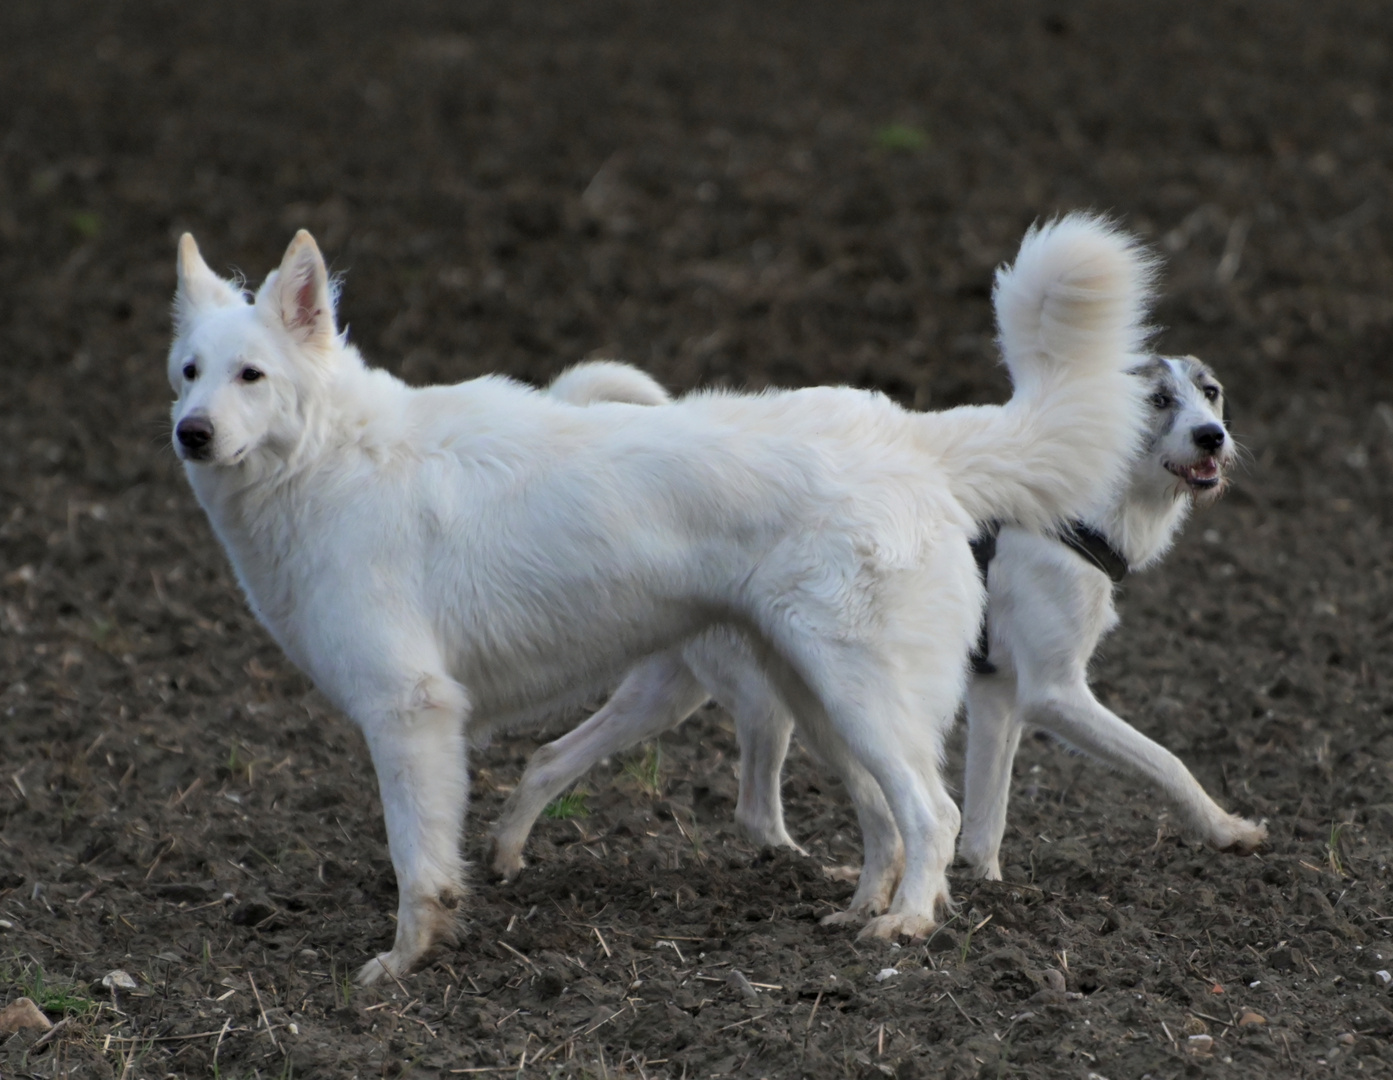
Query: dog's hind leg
883,849
993,734
1071,712
418,749
860,721
928,820
656,695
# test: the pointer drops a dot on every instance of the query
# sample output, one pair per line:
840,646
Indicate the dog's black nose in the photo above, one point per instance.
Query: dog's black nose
1208,437
194,434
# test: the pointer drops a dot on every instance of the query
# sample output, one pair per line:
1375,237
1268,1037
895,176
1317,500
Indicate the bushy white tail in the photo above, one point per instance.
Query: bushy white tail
607,380
1071,317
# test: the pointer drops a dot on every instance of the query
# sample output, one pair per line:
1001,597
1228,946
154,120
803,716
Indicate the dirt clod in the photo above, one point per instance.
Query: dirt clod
23,1015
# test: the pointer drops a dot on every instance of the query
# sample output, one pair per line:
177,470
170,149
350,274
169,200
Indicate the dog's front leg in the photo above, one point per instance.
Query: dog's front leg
727,667
763,735
993,734
418,749
1076,716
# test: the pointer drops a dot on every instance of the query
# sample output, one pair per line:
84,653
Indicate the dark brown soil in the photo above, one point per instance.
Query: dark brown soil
726,193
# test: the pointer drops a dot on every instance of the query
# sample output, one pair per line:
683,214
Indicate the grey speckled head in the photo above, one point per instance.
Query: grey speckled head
1188,441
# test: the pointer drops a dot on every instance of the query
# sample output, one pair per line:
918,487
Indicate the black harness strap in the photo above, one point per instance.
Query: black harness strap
1087,542
1094,547
984,551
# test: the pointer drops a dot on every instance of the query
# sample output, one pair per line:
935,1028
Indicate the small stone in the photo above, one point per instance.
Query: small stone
1383,978
308,956
22,1013
119,980
1200,1044
1250,1018
885,973
1054,979
1346,1039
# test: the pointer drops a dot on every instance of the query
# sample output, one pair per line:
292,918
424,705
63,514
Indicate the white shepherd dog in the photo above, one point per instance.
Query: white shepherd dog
442,561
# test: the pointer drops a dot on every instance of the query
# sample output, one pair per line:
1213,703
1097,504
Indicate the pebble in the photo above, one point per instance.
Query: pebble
736,980
885,973
1347,1039
1383,978
1250,1018
119,980
1200,1044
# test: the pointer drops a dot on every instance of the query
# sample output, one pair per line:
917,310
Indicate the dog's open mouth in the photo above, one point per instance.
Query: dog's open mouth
1200,475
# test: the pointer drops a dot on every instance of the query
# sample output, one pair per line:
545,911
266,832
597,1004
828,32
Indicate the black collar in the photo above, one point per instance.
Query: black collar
1095,548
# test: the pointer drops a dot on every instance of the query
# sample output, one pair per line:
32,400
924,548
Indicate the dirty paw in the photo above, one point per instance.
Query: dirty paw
506,863
850,917
904,924
1241,836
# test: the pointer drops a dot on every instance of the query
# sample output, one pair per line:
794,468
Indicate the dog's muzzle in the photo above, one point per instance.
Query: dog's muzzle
1200,475
195,435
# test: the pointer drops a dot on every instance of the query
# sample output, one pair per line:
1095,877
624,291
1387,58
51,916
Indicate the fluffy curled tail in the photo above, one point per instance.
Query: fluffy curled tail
1071,317
606,380
1076,297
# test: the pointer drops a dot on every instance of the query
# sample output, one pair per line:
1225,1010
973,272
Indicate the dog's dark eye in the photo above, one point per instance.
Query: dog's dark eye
1161,400
250,374
1211,393
191,371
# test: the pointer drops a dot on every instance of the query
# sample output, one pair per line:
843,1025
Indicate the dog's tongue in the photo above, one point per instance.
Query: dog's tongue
1205,470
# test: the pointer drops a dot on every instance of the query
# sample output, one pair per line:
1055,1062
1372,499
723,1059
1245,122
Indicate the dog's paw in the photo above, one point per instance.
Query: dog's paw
794,846
905,924
1239,835
986,868
850,917
506,862
764,834
376,969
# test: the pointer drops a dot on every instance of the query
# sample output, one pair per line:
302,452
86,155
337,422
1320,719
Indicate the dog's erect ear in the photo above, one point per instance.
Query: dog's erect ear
199,288
299,295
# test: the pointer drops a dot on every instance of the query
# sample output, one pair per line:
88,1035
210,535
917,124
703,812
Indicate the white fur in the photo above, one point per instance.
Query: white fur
444,560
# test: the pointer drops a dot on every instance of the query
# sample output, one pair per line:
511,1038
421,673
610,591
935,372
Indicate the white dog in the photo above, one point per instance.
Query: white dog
445,560
1050,602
